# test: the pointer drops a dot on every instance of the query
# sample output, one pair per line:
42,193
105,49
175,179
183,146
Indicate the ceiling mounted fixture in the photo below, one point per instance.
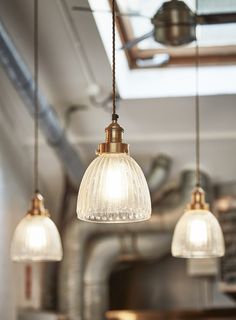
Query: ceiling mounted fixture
198,233
113,188
36,237
174,23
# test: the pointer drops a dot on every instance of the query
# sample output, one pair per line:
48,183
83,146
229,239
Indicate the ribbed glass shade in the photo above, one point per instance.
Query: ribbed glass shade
198,235
36,238
114,189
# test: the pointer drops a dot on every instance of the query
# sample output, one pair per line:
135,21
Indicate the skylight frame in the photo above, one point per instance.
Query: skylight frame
141,83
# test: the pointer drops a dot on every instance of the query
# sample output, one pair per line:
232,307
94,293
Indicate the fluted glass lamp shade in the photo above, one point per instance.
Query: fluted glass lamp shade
198,235
113,188
36,237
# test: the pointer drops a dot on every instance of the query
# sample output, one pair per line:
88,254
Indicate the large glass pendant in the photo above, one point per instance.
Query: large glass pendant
198,233
114,188
36,237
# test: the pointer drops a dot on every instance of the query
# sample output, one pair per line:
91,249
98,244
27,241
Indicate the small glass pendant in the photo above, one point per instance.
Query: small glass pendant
198,233
36,237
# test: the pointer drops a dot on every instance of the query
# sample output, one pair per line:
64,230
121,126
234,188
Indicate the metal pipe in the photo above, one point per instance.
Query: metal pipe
159,172
21,78
111,248
95,282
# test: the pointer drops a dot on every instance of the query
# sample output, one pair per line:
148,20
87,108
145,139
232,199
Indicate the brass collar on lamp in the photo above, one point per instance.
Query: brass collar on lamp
114,138
37,208
198,200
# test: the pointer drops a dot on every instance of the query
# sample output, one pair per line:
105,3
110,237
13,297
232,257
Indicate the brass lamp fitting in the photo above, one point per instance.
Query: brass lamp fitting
37,208
198,200
114,138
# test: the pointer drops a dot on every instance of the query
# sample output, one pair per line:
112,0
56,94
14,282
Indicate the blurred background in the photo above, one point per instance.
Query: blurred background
117,272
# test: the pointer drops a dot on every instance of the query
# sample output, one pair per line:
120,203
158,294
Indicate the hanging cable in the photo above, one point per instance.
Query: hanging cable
114,115
197,111
36,106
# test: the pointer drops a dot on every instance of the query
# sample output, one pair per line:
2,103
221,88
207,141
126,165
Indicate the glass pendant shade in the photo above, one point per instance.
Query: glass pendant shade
114,189
198,235
36,237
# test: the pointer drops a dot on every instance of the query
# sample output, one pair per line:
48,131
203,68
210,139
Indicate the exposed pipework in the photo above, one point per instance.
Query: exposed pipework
91,251
159,172
21,78
111,248
88,246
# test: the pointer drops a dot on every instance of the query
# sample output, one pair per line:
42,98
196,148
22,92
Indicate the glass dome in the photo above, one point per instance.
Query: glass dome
198,235
36,238
114,189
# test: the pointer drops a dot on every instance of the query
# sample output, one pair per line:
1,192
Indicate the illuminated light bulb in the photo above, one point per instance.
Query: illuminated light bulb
36,237
35,232
113,188
113,179
198,233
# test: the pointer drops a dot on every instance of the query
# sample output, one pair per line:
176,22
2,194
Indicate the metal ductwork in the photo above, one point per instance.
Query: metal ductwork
21,78
112,248
91,250
90,259
159,172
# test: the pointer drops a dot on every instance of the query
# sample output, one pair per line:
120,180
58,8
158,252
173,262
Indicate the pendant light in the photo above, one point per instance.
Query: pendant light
198,233
36,237
113,188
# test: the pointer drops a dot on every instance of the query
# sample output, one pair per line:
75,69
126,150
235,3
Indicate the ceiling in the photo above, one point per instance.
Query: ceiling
73,57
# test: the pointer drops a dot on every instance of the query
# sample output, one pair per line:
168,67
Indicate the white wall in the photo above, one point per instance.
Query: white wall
15,192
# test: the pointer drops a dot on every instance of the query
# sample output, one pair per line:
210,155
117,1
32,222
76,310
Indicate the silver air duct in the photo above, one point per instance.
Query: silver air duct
21,78
111,248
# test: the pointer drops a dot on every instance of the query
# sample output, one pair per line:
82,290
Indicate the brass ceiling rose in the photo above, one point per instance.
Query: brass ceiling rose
114,138
198,200
37,208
